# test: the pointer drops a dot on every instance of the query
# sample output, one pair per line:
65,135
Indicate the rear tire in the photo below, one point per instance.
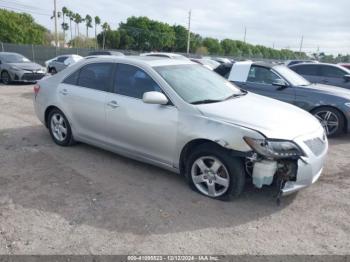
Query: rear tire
60,129
6,78
215,173
331,119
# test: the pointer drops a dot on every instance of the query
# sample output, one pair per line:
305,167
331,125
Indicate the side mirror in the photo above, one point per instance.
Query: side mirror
280,83
156,98
347,78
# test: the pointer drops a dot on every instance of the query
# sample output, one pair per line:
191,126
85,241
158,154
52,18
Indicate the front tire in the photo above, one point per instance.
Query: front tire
213,172
60,129
6,78
331,119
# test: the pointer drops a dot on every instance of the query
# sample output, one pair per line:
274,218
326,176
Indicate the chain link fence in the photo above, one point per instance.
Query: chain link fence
40,54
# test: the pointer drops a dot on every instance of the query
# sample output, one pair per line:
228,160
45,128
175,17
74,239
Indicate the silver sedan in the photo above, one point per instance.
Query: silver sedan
180,116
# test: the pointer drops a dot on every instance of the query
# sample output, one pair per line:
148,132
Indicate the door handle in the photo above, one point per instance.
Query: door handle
113,104
64,92
325,81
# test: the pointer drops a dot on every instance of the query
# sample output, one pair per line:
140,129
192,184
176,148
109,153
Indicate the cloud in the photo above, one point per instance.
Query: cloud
323,23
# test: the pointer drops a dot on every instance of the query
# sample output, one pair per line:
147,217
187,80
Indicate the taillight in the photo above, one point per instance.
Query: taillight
36,89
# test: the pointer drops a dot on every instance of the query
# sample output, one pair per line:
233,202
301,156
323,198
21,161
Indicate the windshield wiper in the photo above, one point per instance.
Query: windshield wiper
237,95
205,101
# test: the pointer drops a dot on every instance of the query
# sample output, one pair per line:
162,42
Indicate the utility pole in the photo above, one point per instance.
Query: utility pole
301,44
189,32
56,32
245,34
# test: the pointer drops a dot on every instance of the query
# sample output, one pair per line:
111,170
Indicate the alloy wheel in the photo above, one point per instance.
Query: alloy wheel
329,121
210,176
59,127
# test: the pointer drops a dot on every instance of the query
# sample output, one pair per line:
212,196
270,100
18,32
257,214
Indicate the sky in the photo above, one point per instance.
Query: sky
324,24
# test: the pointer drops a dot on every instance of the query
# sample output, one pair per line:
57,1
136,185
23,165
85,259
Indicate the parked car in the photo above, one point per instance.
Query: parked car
166,55
222,60
59,63
105,52
323,73
210,64
180,116
17,68
329,104
295,62
346,65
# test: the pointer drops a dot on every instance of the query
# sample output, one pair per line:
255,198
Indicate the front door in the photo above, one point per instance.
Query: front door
145,130
260,81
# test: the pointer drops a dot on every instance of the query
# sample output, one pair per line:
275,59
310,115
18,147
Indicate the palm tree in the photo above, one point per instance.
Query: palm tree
64,24
71,18
105,27
97,22
77,19
88,23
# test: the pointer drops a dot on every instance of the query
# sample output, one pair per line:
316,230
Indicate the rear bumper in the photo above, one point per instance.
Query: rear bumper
310,167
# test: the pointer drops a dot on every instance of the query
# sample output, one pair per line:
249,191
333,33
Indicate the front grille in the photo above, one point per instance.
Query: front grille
32,76
316,145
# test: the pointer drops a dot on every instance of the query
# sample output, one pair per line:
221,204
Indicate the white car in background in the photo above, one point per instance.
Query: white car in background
59,63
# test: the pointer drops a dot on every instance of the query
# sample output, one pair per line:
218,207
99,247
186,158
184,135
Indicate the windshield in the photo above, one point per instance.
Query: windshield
196,84
292,77
14,58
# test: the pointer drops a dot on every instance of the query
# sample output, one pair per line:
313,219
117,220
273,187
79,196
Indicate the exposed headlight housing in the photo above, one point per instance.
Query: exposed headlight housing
274,148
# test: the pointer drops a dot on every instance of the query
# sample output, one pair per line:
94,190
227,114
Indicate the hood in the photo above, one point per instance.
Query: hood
329,90
271,117
27,66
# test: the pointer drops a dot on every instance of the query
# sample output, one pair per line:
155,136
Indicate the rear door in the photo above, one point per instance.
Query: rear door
83,95
260,81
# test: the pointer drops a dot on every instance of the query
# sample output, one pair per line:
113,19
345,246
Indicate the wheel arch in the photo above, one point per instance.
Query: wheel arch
191,145
47,113
334,108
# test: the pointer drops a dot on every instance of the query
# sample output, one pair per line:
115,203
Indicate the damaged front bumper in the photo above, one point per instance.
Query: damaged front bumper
310,167
293,174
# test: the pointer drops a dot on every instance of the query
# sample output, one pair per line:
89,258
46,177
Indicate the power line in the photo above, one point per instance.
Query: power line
22,10
20,5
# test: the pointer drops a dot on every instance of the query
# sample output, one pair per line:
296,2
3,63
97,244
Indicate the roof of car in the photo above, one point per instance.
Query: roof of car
9,53
315,64
152,61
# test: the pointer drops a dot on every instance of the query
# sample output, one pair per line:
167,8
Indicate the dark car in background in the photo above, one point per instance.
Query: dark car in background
17,68
329,104
323,73
295,62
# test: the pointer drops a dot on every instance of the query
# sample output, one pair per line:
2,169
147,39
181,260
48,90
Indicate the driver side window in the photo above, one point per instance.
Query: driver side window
261,75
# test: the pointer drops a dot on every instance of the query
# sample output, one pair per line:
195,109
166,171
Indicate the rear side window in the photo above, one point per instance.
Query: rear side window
72,79
309,70
61,59
261,75
133,81
96,76
330,71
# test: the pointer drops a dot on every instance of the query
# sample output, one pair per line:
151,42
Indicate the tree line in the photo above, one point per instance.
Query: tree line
139,34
